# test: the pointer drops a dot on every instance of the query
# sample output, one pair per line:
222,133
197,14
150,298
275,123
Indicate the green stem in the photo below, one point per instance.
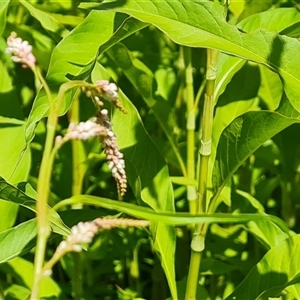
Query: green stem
43,188
77,289
204,154
190,126
43,184
79,169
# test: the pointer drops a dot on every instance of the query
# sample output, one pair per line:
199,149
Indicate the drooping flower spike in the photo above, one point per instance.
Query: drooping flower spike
83,233
21,51
101,127
107,90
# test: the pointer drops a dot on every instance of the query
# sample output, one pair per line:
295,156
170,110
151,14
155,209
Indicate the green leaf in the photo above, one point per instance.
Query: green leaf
18,240
47,21
15,291
168,217
278,269
3,10
241,138
181,22
18,195
148,176
15,163
23,271
267,233
228,66
75,56
149,179
143,80
255,6
270,90
282,20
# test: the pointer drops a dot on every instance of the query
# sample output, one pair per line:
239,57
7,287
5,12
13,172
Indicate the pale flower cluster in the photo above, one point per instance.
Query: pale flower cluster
84,232
21,51
85,130
115,158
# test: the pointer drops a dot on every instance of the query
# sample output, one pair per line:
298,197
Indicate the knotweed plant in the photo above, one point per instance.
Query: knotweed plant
84,232
99,127
182,113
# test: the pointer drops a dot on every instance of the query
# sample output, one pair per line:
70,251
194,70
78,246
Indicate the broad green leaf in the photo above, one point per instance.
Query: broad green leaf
270,90
241,138
282,20
255,6
228,66
278,269
75,56
237,103
18,195
181,22
15,291
168,217
267,233
3,10
18,240
148,176
23,270
47,21
14,162
143,80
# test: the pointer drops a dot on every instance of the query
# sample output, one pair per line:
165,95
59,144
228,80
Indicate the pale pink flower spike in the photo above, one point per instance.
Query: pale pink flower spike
21,51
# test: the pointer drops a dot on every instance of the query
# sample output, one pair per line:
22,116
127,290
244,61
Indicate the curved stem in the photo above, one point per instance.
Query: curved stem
43,185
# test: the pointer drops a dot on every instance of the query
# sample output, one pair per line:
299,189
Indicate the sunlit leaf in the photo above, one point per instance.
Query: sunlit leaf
282,20
46,20
181,21
272,274
148,176
3,10
75,57
18,240
23,271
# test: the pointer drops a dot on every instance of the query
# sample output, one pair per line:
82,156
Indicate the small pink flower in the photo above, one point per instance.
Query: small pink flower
21,51
115,158
85,130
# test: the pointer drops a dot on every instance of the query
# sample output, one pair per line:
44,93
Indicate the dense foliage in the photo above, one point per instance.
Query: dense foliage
180,115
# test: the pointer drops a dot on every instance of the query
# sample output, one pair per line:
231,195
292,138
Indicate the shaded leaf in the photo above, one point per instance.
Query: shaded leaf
272,274
143,80
17,240
18,195
241,138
